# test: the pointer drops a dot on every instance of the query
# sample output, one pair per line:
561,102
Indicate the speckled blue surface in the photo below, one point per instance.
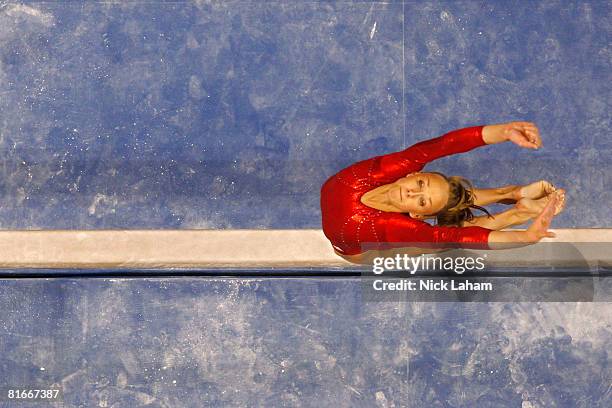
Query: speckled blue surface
230,114
296,343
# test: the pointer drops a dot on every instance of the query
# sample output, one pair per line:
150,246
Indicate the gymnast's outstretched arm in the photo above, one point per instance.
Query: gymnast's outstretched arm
395,165
495,240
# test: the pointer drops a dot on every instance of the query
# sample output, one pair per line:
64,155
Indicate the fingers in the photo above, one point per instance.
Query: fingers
533,138
522,123
549,210
560,207
541,223
526,143
556,202
531,133
539,228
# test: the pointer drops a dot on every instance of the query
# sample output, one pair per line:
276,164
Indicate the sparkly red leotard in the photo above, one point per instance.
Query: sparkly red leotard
350,225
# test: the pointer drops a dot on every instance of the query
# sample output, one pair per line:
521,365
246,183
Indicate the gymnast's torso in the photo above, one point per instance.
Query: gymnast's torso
353,227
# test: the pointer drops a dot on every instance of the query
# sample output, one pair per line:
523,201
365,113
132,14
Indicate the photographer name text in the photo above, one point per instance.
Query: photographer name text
431,285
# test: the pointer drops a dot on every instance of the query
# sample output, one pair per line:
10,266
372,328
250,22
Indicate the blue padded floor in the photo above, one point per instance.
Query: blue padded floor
232,114
193,342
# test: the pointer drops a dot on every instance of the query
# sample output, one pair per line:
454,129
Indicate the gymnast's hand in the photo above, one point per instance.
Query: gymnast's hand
523,134
539,228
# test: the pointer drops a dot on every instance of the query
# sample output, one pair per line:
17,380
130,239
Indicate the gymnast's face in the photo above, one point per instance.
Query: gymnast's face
419,194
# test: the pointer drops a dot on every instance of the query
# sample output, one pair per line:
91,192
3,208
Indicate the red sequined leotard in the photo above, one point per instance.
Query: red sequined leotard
348,223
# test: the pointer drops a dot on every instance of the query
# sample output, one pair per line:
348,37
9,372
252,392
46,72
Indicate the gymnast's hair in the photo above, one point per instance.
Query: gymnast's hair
459,207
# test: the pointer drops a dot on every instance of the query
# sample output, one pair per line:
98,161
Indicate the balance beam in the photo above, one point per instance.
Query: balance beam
152,249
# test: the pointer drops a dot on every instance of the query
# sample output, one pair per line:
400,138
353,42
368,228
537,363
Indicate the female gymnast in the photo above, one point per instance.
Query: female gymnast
380,204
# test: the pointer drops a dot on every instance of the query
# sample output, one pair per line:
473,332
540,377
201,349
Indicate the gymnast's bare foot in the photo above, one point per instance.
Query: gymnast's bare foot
535,206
